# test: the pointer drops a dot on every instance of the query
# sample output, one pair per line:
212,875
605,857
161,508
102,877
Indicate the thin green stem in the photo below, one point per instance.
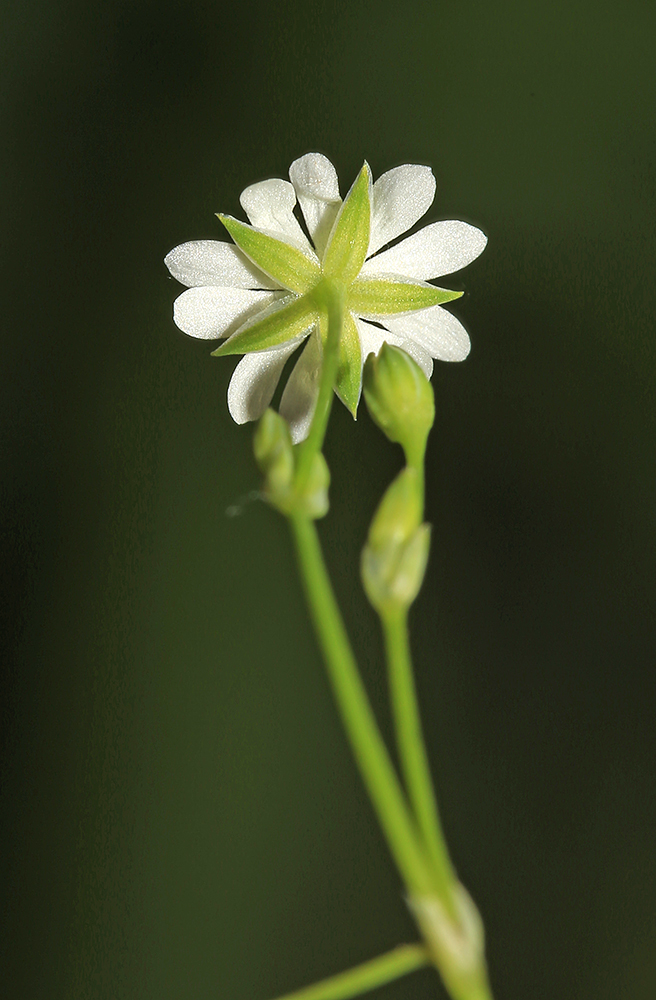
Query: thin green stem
369,750
332,295
379,971
412,752
417,463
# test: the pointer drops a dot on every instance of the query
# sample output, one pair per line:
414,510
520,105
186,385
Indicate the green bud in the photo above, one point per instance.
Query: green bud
272,445
392,578
275,456
400,400
312,500
394,559
399,512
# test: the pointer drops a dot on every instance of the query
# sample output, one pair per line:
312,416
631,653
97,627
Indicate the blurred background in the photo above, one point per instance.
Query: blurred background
181,817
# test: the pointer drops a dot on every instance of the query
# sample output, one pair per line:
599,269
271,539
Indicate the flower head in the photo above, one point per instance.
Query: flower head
263,293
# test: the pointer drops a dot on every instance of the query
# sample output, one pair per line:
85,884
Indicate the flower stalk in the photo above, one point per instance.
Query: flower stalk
413,756
330,295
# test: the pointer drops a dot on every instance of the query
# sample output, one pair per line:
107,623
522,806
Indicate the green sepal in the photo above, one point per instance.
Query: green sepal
349,239
277,327
349,372
384,297
290,267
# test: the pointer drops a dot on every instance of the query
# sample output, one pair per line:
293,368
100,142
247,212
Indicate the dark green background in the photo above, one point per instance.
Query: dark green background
181,817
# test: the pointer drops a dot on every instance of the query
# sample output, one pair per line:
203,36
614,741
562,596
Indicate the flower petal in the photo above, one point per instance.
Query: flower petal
435,330
438,249
270,206
254,381
372,339
317,189
400,198
210,262
209,313
300,396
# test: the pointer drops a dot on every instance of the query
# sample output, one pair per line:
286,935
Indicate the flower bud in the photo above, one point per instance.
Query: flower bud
274,454
272,445
399,512
400,399
312,500
395,556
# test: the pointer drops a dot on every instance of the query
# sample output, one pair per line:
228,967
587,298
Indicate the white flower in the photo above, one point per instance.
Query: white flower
258,295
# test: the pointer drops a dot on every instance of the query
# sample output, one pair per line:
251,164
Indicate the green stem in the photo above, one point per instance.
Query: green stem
368,747
332,298
379,971
417,463
412,752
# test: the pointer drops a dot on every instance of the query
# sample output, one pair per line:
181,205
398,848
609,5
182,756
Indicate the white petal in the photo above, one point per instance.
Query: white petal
209,313
399,199
300,396
270,206
254,381
210,262
317,189
372,339
438,249
418,354
435,330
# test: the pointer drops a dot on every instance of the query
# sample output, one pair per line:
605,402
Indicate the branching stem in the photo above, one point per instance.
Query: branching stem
362,730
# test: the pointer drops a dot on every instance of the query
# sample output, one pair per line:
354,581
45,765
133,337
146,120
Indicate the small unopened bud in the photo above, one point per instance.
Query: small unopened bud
312,500
395,556
275,456
272,445
400,399
399,512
